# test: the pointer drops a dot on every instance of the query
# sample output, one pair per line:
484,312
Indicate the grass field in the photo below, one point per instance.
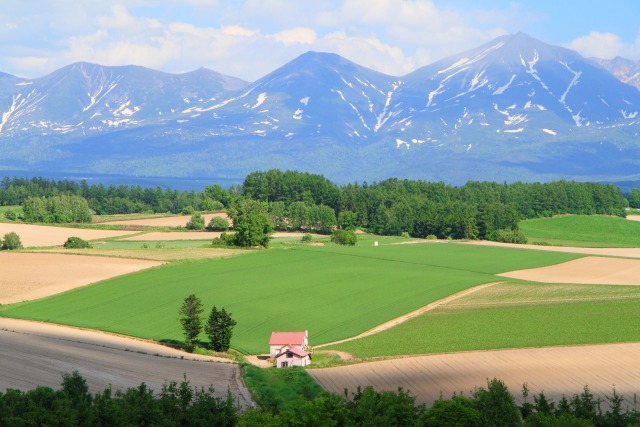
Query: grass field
583,231
512,316
334,292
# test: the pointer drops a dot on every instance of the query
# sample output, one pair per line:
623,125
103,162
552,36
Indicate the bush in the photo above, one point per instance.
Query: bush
10,215
307,238
188,210
77,243
344,237
432,237
196,223
508,236
218,223
405,235
11,241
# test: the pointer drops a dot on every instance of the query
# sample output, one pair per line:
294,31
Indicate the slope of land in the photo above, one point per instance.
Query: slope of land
35,354
27,276
557,371
42,235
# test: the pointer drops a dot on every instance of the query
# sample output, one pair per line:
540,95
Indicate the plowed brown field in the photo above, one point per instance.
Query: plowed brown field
27,276
169,221
587,270
555,370
42,235
35,354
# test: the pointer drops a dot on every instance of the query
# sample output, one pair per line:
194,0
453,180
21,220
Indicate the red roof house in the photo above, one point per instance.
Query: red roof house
290,348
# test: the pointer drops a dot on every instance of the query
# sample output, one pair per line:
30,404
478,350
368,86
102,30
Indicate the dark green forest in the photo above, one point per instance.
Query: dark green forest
178,404
299,201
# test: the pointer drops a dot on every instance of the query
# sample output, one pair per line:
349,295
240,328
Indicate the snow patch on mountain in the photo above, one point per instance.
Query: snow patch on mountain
549,131
260,100
305,101
501,89
574,81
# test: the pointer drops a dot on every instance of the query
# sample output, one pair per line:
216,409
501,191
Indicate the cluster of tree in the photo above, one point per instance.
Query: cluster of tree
481,210
63,208
77,243
10,242
179,404
311,203
219,326
344,237
113,199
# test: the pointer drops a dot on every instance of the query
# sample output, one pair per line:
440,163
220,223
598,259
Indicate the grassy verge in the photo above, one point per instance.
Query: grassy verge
540,315
275,389
334,292
583,231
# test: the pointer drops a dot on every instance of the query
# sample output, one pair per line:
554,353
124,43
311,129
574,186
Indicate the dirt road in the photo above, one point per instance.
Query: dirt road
33,353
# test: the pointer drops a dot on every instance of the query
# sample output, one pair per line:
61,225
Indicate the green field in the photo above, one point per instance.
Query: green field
583,230
519,315
334,292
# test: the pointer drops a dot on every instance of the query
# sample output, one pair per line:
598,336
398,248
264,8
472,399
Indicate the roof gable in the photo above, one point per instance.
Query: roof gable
282,338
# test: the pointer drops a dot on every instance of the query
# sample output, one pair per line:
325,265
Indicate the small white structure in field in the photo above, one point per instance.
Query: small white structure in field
290,349
375,243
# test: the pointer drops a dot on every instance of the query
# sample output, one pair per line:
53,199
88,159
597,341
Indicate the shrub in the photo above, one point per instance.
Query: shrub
196,223
10,215
11,241
307,237
77,243
218,223
188,210
508,236
432,237
405,235
344,237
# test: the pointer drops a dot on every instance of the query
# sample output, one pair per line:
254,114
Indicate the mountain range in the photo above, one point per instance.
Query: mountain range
512,109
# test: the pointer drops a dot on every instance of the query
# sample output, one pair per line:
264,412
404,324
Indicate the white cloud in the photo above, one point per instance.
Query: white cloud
249,38
295,36
599,45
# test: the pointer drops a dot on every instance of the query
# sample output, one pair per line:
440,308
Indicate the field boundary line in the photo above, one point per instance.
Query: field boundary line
401,319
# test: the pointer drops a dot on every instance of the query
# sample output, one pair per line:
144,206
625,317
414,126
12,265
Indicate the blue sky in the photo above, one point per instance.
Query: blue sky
249,38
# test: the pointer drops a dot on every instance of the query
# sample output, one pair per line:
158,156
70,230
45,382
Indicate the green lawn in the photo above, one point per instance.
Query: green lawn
581,314
583,231
334,292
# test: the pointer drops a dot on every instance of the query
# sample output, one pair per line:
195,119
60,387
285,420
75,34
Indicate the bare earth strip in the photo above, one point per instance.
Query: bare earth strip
555,370
398,320
196,235
174,235
27,276
615,252
33,354
169,221
587,270
42,235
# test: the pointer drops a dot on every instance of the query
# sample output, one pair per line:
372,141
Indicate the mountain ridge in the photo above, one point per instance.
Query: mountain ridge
513,108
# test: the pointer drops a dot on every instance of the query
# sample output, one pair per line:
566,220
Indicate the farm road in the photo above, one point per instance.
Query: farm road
33,353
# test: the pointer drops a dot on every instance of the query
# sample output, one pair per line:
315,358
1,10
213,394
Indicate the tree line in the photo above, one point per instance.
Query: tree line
300,201
178,404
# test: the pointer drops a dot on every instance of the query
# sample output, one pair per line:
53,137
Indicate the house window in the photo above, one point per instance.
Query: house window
289,355
284,364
